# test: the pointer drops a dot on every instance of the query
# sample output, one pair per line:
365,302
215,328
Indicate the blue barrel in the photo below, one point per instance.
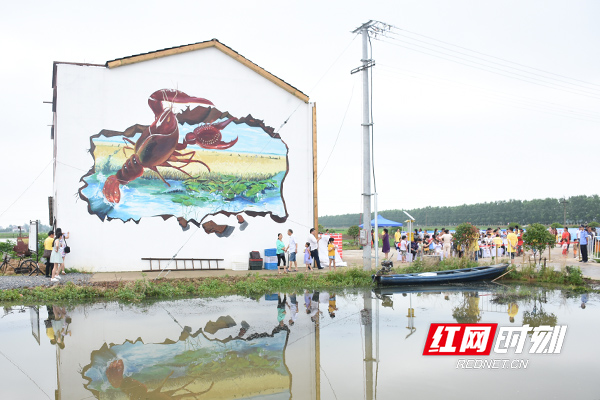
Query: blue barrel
270,265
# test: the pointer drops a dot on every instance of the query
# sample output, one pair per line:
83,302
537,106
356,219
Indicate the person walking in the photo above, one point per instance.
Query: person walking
397,238
511,242
331,253
314,247
55,257
280,253
307,258
48,253
385,247
403,248
292,248
447,246
63,253
583,241
566,236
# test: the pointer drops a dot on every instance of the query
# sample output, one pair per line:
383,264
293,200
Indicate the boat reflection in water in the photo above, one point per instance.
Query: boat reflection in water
311,345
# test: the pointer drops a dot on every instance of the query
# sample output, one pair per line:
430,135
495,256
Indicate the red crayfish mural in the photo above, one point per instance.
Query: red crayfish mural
159,146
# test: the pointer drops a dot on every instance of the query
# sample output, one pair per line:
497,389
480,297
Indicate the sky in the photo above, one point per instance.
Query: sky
445,133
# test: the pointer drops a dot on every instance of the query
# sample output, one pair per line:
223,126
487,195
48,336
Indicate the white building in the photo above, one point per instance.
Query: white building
179,152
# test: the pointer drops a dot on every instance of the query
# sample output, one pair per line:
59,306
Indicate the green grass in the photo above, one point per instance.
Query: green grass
11,235
418,266
251,285
570,276
254,285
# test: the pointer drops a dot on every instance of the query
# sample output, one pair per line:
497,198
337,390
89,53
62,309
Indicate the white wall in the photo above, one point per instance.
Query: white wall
91,98
111,323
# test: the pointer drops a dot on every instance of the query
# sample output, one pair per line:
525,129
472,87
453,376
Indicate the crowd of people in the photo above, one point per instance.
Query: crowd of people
311,252
312,301
489,243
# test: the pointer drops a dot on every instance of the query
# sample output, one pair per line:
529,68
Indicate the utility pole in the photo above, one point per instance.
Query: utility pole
564,203
366,129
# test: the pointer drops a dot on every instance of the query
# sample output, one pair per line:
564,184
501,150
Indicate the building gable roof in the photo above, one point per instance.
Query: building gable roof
119,62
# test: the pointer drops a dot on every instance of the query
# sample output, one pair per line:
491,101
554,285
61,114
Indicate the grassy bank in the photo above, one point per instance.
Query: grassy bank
569,277
255,285
251,285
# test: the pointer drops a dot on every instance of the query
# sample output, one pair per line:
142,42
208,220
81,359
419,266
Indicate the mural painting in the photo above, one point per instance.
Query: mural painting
193,161
192,367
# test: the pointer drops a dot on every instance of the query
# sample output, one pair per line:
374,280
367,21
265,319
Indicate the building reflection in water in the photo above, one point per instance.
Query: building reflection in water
276,348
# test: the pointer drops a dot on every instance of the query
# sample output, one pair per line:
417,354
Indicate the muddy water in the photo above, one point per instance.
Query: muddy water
277,347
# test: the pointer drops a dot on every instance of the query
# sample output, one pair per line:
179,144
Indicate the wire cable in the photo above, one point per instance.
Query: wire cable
491,56
487,69
488,61
526,99
24,373
339,131
520,104
26,189
372,126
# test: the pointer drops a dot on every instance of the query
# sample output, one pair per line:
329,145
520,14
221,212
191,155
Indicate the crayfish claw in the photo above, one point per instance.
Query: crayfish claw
111,190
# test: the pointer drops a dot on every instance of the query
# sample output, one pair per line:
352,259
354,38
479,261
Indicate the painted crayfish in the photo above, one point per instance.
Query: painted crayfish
159,146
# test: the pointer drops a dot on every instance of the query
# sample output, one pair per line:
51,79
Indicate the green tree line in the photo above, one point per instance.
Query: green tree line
579,209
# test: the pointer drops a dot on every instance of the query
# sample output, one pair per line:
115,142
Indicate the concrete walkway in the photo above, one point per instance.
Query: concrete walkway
590,270
134,276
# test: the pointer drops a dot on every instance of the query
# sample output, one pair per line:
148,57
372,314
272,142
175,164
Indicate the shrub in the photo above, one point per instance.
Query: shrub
537,238
353,232
466,236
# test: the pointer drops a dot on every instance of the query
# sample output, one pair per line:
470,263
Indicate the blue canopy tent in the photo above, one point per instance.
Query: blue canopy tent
383,222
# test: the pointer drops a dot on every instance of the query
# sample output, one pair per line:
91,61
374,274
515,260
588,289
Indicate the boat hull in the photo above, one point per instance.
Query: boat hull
443,277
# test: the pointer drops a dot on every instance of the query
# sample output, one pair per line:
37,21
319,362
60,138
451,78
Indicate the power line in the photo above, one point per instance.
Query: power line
24,373
26,189
339,131
488,61
491,56
487,69
523,104
543,103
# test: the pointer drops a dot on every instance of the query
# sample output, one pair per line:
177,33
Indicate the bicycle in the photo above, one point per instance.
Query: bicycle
25,266
5,262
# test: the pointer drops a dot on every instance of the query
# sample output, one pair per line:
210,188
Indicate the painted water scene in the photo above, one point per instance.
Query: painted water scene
191,162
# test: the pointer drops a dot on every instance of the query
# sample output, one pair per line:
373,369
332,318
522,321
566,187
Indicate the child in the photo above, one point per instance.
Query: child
575,247
439,250
565,247
403,248
307,258
419,248
331,253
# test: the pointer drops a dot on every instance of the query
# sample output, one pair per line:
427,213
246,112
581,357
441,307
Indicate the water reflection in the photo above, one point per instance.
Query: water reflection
305,345
192,366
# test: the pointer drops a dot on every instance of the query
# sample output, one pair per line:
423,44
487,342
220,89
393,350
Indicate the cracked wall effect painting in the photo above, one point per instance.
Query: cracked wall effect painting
193,161
193,367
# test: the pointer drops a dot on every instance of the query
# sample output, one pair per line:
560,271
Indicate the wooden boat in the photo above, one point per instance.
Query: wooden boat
440,277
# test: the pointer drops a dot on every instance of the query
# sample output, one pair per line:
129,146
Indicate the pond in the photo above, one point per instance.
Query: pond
351,345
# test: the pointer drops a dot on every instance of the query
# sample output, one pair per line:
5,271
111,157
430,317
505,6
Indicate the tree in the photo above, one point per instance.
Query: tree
353,232
593,224
466,236
514,225
537,238
556,225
